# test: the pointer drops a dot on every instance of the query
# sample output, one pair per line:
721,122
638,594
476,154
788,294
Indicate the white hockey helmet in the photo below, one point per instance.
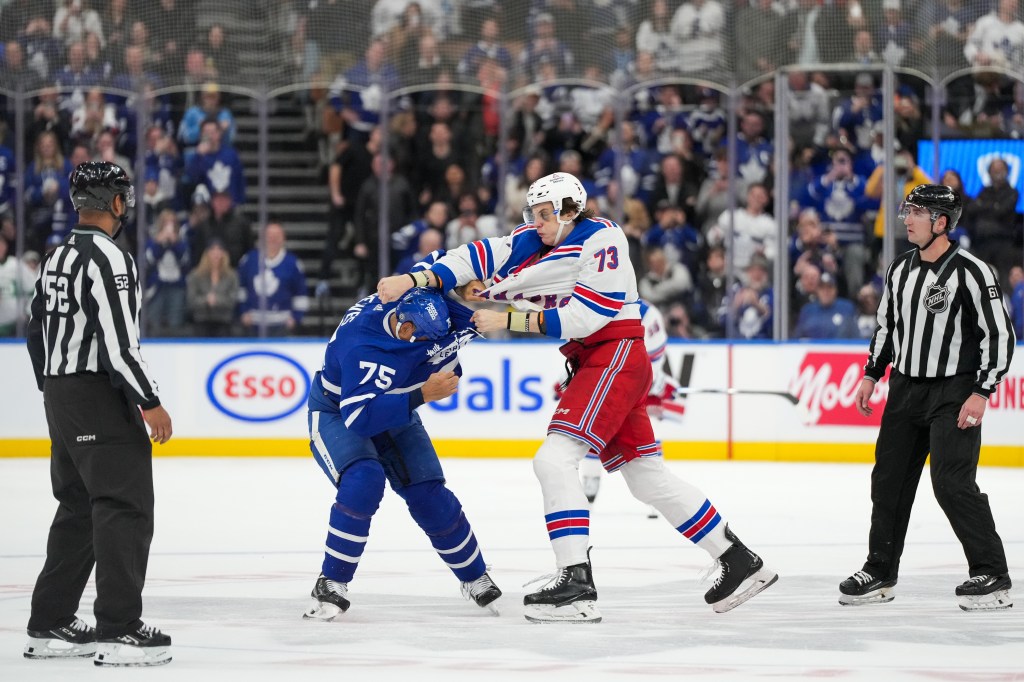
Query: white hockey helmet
554,188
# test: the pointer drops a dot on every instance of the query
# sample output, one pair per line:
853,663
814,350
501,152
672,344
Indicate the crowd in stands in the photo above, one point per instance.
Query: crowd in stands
496,86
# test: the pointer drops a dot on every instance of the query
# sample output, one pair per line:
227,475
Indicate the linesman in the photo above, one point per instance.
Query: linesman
943,327
84,342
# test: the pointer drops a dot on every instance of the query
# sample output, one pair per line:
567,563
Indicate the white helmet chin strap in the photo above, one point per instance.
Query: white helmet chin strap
561,226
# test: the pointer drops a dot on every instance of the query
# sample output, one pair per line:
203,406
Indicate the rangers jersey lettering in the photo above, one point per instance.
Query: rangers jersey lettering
581,285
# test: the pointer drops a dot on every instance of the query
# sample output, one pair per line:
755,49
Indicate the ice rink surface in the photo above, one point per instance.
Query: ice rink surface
238,547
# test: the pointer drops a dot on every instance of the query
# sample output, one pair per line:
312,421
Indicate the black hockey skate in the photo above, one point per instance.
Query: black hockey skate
144,646
570,597
863,588
329,599
742,575
985,593
484,592
77,639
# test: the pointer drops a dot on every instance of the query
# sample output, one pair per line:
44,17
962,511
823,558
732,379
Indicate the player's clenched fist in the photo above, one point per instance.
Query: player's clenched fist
490,320
439,386
391,288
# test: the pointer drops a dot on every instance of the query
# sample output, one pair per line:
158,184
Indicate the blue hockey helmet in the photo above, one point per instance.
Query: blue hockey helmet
427,311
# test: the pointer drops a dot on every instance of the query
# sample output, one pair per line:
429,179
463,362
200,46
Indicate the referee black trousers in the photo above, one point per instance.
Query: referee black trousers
920,418
101,469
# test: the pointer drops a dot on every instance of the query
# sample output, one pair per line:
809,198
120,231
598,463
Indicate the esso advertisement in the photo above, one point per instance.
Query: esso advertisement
258,386
826,386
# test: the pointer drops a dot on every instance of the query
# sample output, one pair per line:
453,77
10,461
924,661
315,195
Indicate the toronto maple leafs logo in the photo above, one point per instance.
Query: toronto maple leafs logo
220,176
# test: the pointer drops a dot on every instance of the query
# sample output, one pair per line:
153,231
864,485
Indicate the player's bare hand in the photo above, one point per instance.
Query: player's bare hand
391,288
159,424
489,320
439,386
867,387
972,411
470,291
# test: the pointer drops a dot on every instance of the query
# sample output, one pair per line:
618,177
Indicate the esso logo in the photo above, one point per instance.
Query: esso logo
258,386
826,386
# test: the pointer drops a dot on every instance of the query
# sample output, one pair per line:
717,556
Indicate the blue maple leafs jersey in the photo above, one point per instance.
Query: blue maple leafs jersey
370,375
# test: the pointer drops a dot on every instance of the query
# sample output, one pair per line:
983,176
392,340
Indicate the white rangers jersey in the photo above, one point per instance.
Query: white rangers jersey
581,285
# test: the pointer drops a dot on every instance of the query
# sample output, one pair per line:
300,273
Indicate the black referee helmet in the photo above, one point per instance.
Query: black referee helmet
940,200
94,184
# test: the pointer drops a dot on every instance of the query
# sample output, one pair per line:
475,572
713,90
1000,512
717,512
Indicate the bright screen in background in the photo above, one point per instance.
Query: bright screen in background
970,158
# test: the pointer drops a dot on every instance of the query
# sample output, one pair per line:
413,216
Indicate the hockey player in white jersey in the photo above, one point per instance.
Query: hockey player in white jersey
567,274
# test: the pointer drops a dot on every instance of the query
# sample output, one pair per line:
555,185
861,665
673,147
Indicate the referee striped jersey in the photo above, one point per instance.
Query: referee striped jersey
940,319
85,315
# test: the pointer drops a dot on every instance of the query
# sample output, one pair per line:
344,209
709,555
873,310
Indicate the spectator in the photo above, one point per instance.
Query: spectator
759,38
854,118
961,233
371,79
47,192
16,287
16,74
808,105
751,303
345,177
839,197
8,176
225,225
488,46
338,30
216,165
813,245
387,15
706,125
544,46
433,160
753,229
673,185
654,38
96,59
221,59
168,261
908,176
867,311
135,75
75,78
1016,296
680,240
468,225
153,197
429,241
665,281
864,48
75,19
517,185
698,26
678,324
212,289
997,38
366,218
106,151
995,223
282,283
405,241
805,289
715,192
25,17
162,158
43,52
754,152
210,107
117,20
170,22
92,118
894,34
828,316
639,166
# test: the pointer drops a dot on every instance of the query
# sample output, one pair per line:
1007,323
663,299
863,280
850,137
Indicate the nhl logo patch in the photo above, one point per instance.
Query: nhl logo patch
936,299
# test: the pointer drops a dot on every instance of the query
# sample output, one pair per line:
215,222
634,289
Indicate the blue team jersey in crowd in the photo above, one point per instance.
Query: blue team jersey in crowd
283,283
369,373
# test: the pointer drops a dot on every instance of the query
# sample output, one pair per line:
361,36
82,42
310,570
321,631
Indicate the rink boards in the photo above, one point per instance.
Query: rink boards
248,398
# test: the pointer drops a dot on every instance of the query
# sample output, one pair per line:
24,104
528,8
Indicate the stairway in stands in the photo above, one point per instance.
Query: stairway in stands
297,193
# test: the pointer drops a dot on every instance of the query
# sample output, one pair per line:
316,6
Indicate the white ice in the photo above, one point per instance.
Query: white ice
238,545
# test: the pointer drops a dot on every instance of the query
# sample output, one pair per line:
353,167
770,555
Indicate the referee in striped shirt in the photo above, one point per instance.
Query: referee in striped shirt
943,327
84,343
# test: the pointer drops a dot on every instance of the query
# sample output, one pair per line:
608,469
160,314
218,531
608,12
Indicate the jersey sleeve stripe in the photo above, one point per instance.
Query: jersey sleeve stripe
353,399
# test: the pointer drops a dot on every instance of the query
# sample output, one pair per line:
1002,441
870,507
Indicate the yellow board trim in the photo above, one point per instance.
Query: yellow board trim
991,455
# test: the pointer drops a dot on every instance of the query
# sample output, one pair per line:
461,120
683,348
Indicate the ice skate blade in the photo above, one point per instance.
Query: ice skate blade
576,612
1000,599
883,595
125,656
756,583
39,649
322,611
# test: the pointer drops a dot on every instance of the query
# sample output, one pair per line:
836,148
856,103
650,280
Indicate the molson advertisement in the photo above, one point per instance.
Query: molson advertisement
786,402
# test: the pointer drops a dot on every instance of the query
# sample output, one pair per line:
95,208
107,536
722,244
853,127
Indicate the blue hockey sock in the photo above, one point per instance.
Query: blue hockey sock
439,513
360,491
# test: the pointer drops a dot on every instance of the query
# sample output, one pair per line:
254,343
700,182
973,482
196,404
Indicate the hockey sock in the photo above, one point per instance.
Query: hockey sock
591,465
683,506
360,491
439,513
565,506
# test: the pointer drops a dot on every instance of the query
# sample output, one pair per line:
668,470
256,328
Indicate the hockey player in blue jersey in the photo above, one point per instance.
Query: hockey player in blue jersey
384,361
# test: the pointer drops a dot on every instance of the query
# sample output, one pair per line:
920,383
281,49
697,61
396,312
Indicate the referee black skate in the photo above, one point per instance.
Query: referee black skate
84,342
943,327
